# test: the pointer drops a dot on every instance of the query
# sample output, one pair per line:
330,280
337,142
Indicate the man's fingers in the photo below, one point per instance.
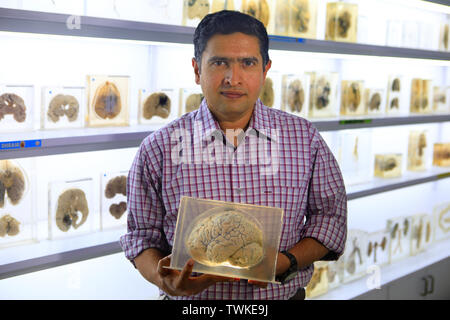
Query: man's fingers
164,262
187,270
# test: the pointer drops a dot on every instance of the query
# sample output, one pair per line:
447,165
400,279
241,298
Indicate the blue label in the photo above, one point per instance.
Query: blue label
20,144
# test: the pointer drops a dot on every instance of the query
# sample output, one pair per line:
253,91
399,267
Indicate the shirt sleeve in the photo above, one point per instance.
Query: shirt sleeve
144,204
326,216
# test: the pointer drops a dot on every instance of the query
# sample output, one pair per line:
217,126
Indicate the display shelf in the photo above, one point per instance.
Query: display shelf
374,122
52,253
378,185
438,251
50,142
43,143
14,20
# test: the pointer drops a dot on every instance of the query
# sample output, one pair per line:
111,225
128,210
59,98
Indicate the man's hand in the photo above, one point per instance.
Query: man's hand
180,283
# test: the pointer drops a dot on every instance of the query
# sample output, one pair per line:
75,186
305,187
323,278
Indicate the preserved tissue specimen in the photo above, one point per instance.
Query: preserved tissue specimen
295,96
11,103
351,97
388,165
419,95
323,90
107,101
9,226
416,150
218,5
267,94
157,104
226,238
70,202
62,105
117,185
441,154
373,248
193,101
375,102
197,8
300,15
12,182
258,9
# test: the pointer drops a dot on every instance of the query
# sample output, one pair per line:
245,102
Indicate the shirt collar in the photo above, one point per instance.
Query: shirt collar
260,123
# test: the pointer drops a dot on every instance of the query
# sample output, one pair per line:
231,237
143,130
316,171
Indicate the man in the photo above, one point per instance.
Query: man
302,177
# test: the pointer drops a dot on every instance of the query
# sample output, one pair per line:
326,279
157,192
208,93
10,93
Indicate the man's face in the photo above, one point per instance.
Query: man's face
231,74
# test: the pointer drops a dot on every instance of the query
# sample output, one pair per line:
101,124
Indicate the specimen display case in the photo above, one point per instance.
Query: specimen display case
227,239
157,107
388,165
71,208
441,154
417,144
355,260
114,200
16,107
342,19
421,96
441,220
62,107
319,281
352,98
400,230
108,100
295,97
93,50
296,18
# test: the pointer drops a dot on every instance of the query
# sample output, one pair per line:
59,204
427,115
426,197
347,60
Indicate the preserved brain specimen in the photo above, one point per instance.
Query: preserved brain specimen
352,96
197,8
107,101
227,237
338,26
12,182
301,15
62,105
193,101
441,154
116,185
9,226
267,93
157,104
396,85
218,5
295,96
70,202
11,103
117,210
375,102
323,89
258,9
388,165
394,103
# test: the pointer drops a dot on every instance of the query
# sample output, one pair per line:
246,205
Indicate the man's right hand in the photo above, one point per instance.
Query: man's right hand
180,283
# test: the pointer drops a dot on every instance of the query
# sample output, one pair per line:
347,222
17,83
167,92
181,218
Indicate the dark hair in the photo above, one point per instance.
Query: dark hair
228,22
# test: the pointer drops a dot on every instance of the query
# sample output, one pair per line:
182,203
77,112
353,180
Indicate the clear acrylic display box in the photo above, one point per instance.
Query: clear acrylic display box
388,165
444,37
108,100
114,199
271,94
417,144
395,85
377,252
335,273
441,99
63,107
296,18
195,11
441,154
16,108
400,230
354,155
71,208
375,101
422,232
352,98
421,96
441,220
259,9
355,261
318,284
323,95
249,250
17,215
157,106
190,99
341,23
295,94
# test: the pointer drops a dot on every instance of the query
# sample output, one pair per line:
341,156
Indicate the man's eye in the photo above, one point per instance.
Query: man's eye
219,63
249,63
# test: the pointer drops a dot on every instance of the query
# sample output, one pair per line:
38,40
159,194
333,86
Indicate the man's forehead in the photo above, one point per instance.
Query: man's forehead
234,45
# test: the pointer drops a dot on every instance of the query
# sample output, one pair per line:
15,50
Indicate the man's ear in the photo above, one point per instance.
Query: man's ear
196,67
267,67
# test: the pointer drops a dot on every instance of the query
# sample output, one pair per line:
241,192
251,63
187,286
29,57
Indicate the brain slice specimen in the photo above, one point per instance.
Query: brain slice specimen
70,202
227,237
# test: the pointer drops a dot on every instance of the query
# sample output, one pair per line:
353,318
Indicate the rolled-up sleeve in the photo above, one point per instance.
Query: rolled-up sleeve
326,216
145,209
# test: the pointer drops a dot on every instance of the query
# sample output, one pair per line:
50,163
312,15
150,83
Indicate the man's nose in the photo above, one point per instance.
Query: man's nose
233,75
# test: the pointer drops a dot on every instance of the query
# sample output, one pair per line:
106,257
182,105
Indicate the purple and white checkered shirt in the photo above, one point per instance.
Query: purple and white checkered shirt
281,161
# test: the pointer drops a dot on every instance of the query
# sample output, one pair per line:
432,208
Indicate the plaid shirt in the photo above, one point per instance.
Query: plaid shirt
298,174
